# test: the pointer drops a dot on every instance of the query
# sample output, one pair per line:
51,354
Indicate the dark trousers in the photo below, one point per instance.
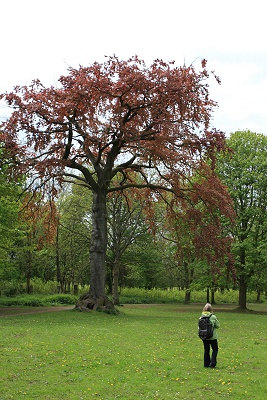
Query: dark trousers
210,361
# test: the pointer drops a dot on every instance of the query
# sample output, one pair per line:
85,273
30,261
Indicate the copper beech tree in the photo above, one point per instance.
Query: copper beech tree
113,126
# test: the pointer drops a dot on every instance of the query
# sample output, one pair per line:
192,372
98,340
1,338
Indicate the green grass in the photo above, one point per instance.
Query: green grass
145,352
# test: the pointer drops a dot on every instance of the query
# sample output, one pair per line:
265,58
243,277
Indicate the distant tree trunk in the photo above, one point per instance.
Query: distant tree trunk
28,267
59,278
115,282
242,301
187,283
187,297
28,282
212,296
208,295
96,298
258,296
75,289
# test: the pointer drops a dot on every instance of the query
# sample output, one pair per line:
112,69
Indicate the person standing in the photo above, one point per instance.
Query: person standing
212,343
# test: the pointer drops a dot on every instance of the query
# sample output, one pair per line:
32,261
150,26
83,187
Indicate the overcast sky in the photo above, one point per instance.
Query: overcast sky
40,39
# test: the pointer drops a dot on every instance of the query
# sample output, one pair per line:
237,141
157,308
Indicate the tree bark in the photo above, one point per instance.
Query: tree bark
29,268
96,298
212,296
187,283
115,282
187,296
59,279
208,295
242,301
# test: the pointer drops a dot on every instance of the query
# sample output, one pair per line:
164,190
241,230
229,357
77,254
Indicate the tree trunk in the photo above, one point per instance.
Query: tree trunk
242,301
96,298
212,296
28,282
187,297
115,282
58,270
187,283
208,295
29,269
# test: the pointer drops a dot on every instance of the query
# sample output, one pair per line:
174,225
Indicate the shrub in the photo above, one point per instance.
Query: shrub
61,299
38,301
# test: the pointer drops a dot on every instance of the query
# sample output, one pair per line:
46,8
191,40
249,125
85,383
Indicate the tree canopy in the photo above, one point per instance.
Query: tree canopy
147,126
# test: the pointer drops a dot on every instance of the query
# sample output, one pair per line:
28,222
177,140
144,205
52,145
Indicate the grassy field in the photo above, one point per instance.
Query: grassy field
145,352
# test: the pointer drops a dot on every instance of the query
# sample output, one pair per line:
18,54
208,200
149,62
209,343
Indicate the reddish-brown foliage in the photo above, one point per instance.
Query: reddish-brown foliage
41,219
159,115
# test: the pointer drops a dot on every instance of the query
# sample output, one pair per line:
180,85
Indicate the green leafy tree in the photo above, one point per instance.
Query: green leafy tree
38,219
244,171
73,237
9,221
125,224
144,265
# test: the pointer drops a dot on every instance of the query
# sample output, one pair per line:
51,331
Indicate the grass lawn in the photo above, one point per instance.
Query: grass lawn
145,352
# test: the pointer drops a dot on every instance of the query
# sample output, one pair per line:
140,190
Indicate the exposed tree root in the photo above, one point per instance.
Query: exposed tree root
90,303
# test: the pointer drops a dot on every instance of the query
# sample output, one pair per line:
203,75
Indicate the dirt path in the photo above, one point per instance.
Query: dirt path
14,311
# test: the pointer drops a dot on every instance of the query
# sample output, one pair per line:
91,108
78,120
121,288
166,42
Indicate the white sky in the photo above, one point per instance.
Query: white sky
41,38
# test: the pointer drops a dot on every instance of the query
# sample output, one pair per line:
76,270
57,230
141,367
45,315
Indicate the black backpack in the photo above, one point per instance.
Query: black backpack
205,328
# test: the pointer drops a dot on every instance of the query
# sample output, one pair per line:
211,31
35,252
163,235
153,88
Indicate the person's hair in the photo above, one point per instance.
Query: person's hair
207,307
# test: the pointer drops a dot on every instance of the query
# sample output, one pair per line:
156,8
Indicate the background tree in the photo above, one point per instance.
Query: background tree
245,173
73,237
144,264
39,231
125,224
9,221
198,233
107,120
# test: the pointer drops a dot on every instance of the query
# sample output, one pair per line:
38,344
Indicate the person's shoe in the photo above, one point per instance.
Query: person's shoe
212,366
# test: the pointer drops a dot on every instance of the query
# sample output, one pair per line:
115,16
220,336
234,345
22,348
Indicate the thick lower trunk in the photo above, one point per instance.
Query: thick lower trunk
96,298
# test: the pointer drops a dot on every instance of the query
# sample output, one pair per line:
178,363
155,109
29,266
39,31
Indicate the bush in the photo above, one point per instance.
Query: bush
160,296
38,301
62,299
11,289
40,287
